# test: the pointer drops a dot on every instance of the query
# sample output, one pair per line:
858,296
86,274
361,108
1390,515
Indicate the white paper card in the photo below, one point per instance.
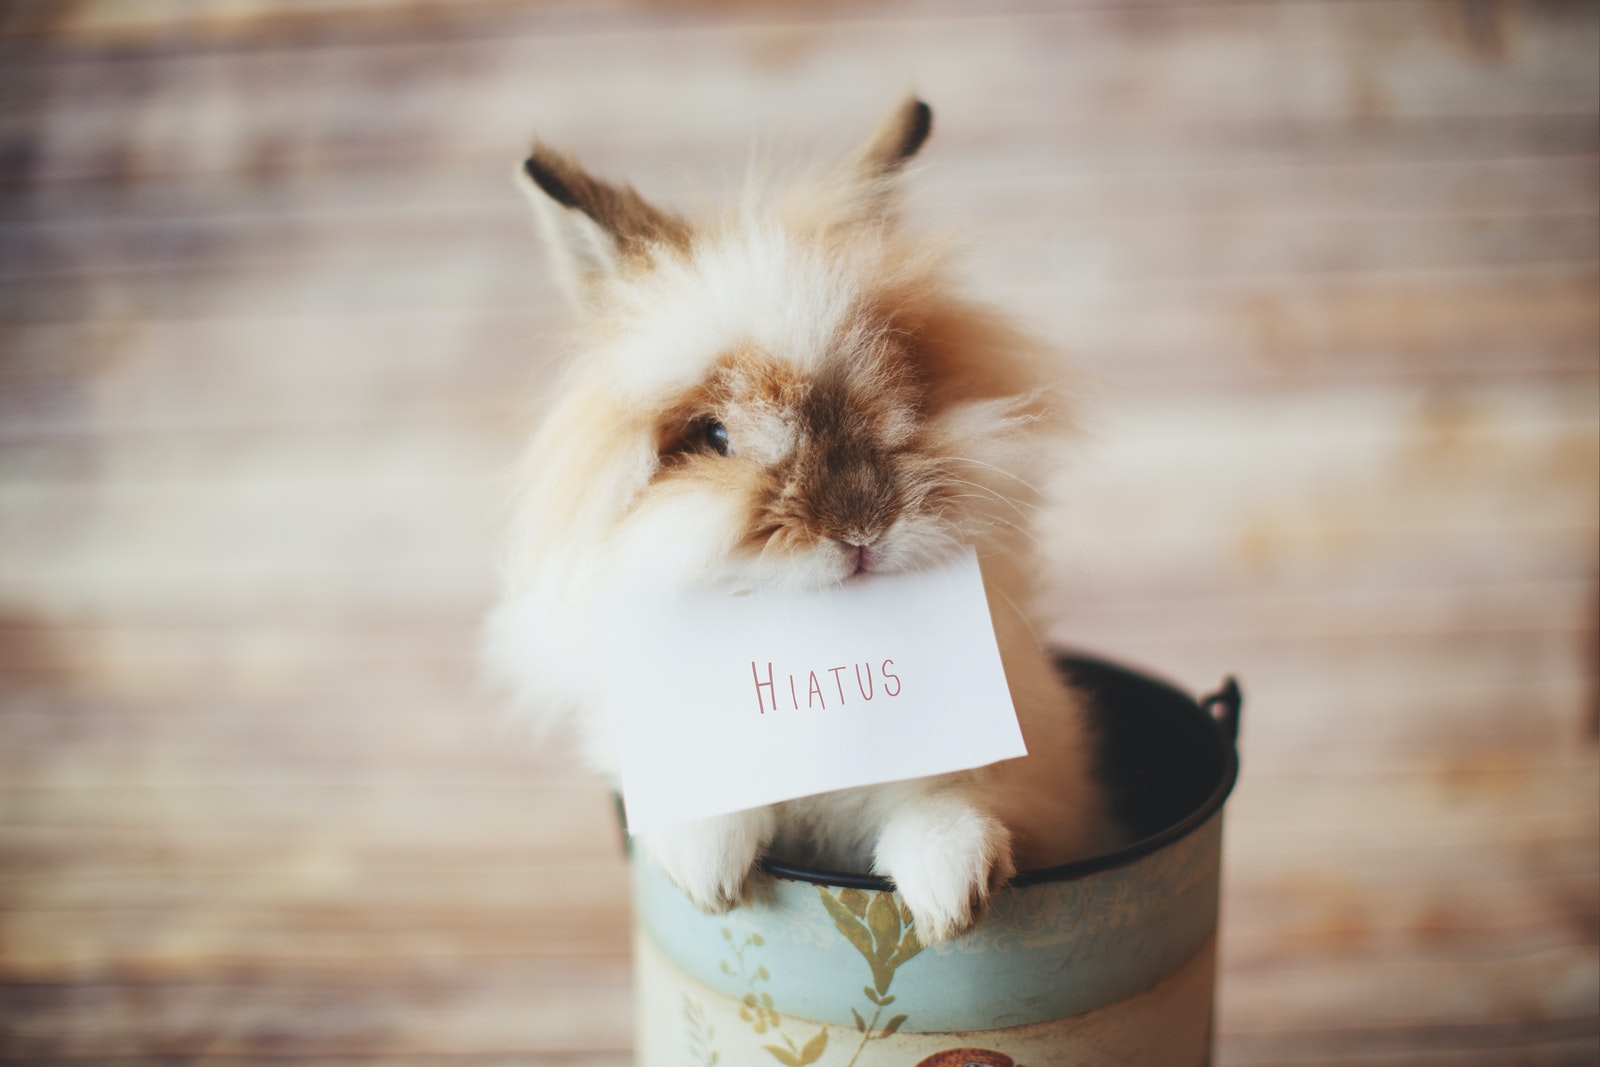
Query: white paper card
723,701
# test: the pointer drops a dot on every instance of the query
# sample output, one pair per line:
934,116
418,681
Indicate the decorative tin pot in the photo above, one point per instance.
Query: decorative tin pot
1111,960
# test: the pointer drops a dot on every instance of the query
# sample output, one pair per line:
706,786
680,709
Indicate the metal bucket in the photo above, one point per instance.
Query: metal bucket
1111,960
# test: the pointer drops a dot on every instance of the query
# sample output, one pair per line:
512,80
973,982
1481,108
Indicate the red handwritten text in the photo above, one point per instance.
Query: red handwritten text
831,683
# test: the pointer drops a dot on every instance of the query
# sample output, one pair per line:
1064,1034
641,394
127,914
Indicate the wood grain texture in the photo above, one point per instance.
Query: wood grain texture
272,320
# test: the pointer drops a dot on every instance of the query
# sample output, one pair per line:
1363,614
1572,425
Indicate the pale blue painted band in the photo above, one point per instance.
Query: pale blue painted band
1044,952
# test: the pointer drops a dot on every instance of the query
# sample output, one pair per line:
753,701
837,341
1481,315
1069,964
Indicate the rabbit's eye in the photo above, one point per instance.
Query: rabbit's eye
717,437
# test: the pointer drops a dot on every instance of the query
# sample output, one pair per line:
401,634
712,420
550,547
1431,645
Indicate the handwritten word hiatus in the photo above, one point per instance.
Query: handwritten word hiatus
853,681
831,711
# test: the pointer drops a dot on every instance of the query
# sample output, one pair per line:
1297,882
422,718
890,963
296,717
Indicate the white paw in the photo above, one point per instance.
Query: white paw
711,859
946,858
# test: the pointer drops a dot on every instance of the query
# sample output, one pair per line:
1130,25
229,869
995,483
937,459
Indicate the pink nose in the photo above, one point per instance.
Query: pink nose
862,557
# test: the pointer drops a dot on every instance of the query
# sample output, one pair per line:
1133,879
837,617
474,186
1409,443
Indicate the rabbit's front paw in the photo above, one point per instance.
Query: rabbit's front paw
711,859
946,859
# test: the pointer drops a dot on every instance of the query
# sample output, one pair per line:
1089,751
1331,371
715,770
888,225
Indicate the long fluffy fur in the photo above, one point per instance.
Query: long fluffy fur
874,418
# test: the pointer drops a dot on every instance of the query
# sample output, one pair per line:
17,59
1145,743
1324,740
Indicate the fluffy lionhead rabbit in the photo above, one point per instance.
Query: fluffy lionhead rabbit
791,393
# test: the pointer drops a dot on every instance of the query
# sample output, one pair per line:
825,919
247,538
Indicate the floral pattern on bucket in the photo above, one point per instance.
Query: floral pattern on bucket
701,1034
760,1010
880,928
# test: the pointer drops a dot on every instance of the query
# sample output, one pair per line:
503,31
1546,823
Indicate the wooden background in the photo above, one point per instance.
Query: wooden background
270,316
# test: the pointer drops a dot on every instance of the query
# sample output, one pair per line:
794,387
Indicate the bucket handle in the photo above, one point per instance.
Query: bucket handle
1223,707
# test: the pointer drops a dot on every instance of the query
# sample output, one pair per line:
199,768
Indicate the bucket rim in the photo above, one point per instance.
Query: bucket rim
1224,720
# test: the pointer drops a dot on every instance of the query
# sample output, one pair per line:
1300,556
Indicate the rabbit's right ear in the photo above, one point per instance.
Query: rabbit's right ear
899,138
591,227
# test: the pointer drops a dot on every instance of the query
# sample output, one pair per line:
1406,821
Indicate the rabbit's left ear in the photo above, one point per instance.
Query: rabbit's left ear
868,180
591,226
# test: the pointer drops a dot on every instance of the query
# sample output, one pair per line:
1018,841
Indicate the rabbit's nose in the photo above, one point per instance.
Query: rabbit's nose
861,555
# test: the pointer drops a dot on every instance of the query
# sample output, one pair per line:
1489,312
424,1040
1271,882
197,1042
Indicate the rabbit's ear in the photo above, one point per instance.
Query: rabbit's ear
868,184
896,141
592,227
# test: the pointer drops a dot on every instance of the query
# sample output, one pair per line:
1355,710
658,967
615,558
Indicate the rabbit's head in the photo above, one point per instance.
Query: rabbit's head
788,394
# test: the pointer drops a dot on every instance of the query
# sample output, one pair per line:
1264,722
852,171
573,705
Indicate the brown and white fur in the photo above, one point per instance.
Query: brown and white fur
792,394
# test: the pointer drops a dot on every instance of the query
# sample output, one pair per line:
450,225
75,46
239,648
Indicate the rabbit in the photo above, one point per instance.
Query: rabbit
793,393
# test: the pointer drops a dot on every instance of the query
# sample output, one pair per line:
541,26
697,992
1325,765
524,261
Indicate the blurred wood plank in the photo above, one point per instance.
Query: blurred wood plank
1278,71
552,1011
1483,1045
1281,254
1249,220
1445,328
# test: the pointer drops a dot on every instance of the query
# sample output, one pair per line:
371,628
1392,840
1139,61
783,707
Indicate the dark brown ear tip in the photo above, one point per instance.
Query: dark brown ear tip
922,118
544,173
918,125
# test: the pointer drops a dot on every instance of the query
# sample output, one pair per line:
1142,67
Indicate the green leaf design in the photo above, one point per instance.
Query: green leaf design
880,928
701,1033
813,1050
847,924
855,900
910,945
883,918
783,1055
